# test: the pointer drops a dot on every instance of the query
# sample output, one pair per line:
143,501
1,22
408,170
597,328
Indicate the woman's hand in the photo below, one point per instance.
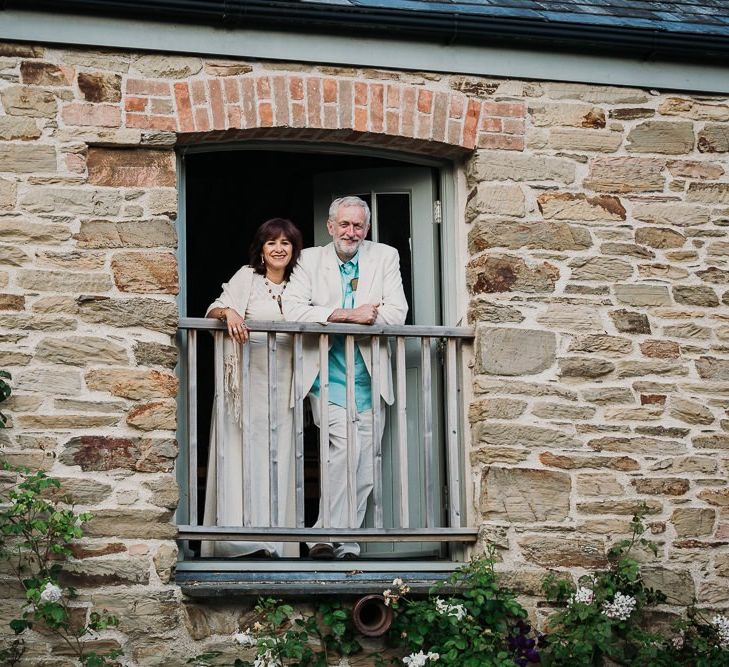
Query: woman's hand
237,328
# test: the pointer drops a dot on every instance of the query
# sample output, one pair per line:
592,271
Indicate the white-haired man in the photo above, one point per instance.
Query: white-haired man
355,281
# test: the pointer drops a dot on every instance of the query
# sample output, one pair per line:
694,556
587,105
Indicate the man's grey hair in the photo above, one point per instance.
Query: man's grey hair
349,201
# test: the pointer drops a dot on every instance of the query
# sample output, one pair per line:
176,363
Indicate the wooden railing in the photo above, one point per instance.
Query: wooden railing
438,526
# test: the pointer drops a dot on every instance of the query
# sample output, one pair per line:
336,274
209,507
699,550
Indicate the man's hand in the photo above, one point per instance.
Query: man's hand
364,314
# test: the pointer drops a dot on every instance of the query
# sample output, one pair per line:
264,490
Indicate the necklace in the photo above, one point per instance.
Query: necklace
276,297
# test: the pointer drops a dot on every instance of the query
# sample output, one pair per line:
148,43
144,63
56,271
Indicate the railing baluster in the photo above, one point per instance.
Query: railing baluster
326,508
351,426
246,444
192,426
272,430
219,425
299,427
402,432
452,435
426,425
376,439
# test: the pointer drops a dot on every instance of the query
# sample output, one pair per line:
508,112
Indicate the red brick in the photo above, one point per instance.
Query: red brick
230,88
263,88
202,122
280,100
424,126
184,108
392,125
346,93
330,90
456,107
507,142
313,102
652,399
470,125
135,104
330,117
393,97
142,121
248,103
75,163
440,116
232,115
296,88
360,119
148,87
216,104
377,103
199,92
265,114
101,115
298,115
360,94
506,109
489,124
408,112
514,126
425,101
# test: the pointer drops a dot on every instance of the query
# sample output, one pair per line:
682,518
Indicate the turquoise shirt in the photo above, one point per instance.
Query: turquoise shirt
348,271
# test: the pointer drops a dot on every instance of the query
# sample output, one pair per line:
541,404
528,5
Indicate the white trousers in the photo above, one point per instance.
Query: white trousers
364,475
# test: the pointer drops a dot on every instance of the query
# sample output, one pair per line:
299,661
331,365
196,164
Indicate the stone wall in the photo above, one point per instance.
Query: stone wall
597,281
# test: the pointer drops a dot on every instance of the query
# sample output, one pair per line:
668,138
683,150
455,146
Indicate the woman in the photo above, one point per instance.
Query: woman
254,293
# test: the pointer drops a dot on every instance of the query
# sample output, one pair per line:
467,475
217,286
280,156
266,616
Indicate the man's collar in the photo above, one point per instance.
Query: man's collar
354,260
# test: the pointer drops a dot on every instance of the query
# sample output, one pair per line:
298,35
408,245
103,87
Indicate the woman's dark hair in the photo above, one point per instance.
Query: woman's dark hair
268,231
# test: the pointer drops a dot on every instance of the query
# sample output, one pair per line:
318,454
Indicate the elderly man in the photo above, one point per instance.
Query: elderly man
355,281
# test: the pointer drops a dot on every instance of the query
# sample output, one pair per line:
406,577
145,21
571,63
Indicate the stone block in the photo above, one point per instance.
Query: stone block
83,490
626,369
66,382
495,199
601,343
164,491
684,464
503,166
625,174
501,455
688,330
708,193
146,313
694,169
662,272
598,484
63,281
637,445
81,351
594,94
28,322
481,309
628,507
571,318
153,416
695,295
33,102
713,368
690,412
658,136
719,441
107,234
97,572
16,127
572,115
27,158
165,560
562,551
486,385
522,495
495,408
663,486
714,275
19,230
576,461
136,384
100,86
585,367
8,194
37,73
677,584
506,273
132,167
693,521
628,321
718,497
101,453
531,235
69,201
507,351
131,523
643,294
714,138
604,269
145,272
563,411
694,109
67,421
523,435
580,207
166,66
674,214
94,115
659,237
155,354
593,141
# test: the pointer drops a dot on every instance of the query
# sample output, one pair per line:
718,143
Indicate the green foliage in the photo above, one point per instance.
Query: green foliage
36,530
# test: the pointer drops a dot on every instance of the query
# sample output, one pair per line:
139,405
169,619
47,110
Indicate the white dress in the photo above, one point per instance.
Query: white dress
252,296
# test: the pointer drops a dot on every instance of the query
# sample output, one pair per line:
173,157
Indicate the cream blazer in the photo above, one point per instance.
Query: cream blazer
315,291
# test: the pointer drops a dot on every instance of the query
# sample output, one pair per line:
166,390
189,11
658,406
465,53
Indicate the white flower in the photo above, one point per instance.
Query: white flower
390,597
257,626
343,662
721,623
677,641
51,593
443,607
266,660
419,659
583,595
245,638
621,607
399,583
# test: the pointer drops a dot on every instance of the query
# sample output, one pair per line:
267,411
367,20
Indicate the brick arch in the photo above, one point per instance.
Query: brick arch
313,107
